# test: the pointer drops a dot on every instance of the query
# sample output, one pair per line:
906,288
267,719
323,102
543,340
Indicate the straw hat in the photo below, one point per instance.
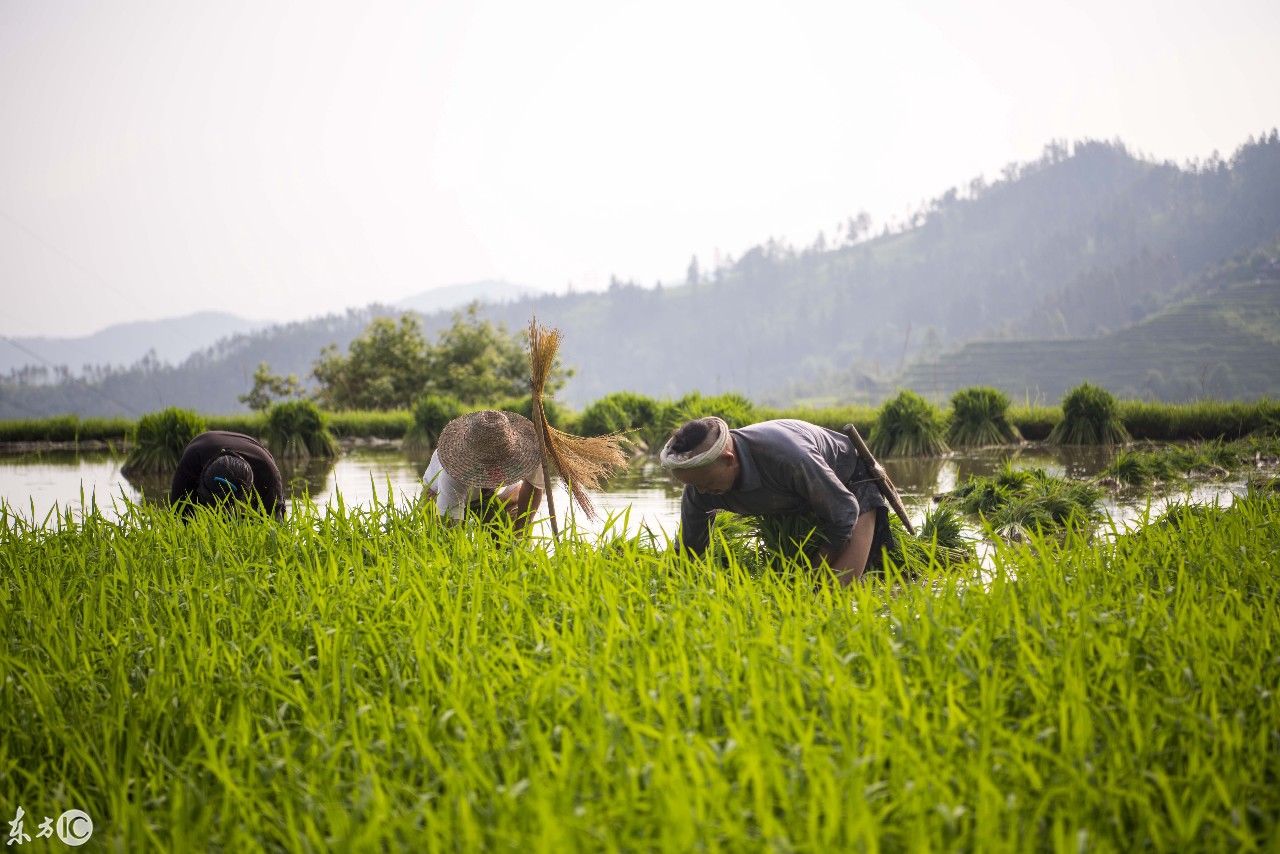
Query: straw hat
488,448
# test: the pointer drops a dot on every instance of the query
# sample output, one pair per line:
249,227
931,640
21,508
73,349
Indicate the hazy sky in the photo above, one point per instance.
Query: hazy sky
281,160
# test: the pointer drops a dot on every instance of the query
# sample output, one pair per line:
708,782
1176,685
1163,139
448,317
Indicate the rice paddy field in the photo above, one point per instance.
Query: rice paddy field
368,679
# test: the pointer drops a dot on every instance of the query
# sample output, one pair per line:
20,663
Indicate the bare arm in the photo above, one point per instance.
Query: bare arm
850,561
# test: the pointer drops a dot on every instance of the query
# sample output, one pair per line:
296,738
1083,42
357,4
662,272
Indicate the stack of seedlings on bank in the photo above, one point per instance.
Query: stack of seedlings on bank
909,426
980,417
1090,416
158,441
1017,502
297,431
583,462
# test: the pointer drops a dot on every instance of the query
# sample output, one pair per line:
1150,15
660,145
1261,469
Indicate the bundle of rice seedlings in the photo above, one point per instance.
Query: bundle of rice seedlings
908,426
980,416
296,431
1017,501
1090,416
159,439
583,462
430,415
1130,468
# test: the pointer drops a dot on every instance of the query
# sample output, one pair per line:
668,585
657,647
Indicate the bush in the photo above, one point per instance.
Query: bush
430,415
980,416
1090,416
557,416
622,411
297,430
908,426
159,439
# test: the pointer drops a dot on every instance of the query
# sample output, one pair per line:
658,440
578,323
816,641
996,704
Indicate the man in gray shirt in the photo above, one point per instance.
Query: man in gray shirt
779,467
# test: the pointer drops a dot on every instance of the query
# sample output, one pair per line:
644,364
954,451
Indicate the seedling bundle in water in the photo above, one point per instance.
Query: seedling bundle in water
297,431
980,416
158,441
1017,502
1090,416
909,426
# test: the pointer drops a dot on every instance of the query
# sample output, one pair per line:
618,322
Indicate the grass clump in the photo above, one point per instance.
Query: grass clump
1090,416
623,412
909,426
158,440
430,415
296,430
980,416
1016,503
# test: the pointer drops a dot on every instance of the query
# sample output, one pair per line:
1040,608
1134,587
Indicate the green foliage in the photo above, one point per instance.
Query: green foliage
735,409
980,416
430,415
159,439
66,428
557,416
385,367
908,426
298,686
268,388
390,365
620,412
297,430
1090,416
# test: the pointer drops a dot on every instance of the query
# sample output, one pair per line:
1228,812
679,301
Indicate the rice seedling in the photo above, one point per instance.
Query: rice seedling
1089,417
980,416
370,679
1018,502
158,441
430,415
908,426
296,431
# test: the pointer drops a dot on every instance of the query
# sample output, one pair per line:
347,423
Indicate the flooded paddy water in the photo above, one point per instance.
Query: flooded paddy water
35,485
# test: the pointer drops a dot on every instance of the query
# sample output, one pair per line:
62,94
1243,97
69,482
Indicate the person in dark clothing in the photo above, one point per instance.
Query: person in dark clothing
780,467
220,468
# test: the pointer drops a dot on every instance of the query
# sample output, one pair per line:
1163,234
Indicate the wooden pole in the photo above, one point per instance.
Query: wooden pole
887,489
540,424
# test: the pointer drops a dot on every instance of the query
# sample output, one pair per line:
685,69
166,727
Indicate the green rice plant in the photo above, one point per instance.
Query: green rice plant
371,679
620,412
980,416
430,415
296,431
158,440
1018,502
1089,417
908,426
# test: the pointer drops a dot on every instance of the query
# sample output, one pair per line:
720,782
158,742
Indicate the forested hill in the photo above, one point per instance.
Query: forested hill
1080,243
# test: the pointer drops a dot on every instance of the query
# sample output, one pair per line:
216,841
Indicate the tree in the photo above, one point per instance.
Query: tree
269,388
693,275
386,367
390,365
477,361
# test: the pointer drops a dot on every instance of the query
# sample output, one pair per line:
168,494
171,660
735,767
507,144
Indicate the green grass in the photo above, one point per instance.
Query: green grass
370,680
1169,466
909,426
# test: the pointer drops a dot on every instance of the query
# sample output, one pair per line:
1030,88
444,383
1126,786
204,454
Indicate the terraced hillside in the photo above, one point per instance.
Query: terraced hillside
1224,344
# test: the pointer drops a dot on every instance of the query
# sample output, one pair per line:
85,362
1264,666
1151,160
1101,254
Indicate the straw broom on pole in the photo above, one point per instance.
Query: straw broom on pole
583,462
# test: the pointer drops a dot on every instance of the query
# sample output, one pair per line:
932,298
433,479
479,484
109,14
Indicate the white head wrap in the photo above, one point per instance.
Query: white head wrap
707,452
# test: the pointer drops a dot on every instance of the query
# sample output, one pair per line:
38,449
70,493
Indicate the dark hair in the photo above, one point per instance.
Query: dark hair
690,435
227,476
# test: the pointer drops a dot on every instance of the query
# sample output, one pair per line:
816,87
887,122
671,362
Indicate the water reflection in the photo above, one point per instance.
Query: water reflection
34,483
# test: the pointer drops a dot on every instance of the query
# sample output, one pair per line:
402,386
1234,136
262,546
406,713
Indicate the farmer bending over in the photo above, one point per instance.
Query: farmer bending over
774,468
487,460
229,470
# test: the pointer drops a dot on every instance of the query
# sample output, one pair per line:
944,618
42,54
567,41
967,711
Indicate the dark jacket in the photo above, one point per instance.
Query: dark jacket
267,483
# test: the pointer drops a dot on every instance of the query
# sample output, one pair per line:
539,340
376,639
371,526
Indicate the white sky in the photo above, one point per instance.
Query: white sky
281,160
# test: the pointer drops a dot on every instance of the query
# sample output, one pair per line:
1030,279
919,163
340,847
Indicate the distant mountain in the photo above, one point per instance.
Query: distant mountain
456,296
172,339
1224,344
1076,246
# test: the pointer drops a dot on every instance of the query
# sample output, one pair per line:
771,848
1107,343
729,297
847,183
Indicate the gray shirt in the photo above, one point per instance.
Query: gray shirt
788,467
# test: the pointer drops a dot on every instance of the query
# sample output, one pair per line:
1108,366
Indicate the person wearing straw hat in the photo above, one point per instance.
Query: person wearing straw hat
486,459
781,467
220,468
